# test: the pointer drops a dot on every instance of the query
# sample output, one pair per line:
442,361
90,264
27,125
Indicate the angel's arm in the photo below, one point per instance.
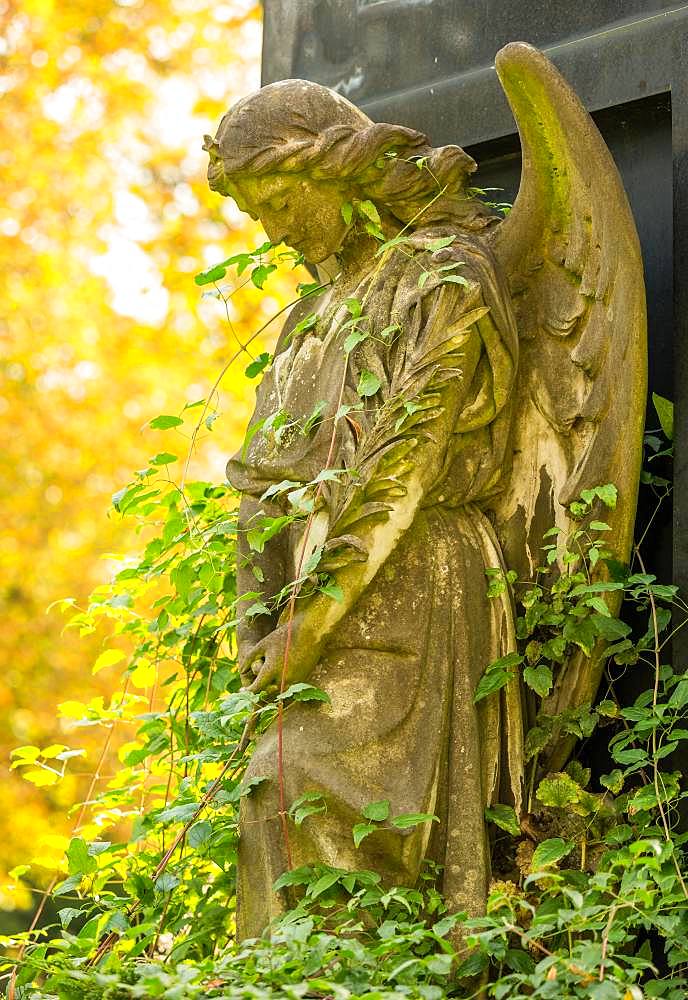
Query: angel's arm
399,461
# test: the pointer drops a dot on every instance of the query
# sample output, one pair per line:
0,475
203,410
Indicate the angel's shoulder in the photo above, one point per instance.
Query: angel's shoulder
443,248
441,263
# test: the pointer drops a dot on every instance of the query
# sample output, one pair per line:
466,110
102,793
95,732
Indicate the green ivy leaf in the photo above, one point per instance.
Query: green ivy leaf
260,274
67,885
79,861
353,307
303,692
347,211
390,244
679,696
519,961
491,682
581,775
297,876
361,831
166,882
368,384
613,781
257,366
497,675
558,791
665,411
472,966
356,337
582,633
309,804
164,422
455,279
610,628
378,811
406,820
246,786
536,740
307,323
163,458
282,487
607,494
211,274
539,678
505,818
311,564
314,417
608,708
333,590
623,652
440,244
598,604
199,834
389,330
369,211
257,537
258,608
439,964
322,884
307,288
549,852
633,756
67,914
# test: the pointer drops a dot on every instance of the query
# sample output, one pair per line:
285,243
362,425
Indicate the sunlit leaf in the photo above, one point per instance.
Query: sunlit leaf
164,422
107,658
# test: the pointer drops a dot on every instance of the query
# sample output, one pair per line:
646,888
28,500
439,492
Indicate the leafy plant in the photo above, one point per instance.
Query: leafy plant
589,897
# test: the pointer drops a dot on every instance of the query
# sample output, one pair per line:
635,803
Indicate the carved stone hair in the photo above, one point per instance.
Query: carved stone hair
295,126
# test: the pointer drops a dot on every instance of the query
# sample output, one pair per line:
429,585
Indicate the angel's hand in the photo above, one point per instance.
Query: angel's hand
266,660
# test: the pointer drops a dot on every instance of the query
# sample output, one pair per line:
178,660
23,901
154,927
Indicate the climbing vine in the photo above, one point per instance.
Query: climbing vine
589,897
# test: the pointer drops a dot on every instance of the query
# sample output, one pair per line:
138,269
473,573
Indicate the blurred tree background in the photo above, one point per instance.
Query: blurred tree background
105,218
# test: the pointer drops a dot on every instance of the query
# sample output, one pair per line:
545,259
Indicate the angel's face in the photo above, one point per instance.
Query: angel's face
305,214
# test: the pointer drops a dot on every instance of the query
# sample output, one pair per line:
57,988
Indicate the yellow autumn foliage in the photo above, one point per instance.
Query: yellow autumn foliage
105,217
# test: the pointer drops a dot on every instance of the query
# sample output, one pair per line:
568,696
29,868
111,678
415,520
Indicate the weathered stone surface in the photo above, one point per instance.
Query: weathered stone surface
495,397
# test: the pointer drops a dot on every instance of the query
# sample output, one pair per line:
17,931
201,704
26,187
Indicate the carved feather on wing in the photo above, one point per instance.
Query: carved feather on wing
571,254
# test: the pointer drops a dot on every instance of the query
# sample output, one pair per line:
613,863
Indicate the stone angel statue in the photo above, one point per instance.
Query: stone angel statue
497,369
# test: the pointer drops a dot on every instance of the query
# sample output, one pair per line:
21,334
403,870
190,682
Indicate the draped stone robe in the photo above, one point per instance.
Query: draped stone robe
401,667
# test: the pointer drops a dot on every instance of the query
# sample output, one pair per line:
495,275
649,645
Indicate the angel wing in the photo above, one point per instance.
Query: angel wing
571,254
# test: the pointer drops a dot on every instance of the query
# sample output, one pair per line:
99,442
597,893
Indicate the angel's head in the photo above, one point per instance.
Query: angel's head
294,153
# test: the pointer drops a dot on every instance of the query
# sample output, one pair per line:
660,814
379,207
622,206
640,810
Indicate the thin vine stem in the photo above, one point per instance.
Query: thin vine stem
110,939
95,778
655,698
228,365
